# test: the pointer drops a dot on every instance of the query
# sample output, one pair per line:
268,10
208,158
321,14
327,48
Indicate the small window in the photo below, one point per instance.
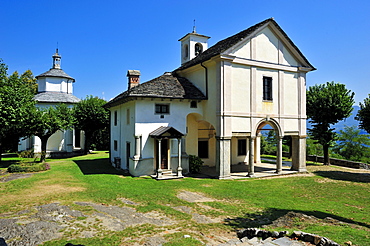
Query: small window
115,145
242,146
203,148
162,108
186,51
115,117
128,116
193,104
267,88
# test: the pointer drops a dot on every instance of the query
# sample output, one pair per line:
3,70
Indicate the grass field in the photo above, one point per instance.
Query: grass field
335,192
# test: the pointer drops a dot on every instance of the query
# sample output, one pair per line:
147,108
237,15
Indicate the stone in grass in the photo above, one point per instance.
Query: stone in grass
285,241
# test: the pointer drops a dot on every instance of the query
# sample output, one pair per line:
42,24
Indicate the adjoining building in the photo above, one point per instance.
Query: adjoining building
55,87
214,105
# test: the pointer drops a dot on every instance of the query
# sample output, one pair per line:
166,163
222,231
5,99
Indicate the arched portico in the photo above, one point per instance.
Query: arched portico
254,144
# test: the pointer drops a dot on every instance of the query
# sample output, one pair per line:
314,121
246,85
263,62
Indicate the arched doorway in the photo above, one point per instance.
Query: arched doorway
269,125
201,139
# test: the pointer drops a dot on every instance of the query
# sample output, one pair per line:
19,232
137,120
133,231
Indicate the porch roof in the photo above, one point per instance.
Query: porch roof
166,132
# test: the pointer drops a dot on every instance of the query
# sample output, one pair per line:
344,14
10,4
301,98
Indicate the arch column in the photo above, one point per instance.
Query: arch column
251,156
179,150
223,161
159,170
299,153
279,154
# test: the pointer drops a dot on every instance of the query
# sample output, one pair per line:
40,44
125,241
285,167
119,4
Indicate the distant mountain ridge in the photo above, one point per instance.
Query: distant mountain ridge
350,121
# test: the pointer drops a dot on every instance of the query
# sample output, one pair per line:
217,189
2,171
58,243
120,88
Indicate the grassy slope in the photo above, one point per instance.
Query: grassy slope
332,192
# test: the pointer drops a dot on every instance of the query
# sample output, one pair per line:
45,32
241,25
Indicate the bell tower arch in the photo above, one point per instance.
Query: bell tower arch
192,45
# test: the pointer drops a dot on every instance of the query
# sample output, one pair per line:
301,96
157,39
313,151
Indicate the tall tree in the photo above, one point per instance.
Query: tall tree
352,145
16,103
327,104
363,114
47,121
90,116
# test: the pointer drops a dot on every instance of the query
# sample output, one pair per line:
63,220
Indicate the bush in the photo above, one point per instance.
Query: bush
195,163
26,154
28,167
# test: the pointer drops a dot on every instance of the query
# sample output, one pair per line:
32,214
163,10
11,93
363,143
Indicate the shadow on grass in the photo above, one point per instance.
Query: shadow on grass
267,217
345,176
98,166
7,163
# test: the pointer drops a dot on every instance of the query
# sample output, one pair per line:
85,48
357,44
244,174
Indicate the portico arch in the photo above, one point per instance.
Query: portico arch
254,144
200,138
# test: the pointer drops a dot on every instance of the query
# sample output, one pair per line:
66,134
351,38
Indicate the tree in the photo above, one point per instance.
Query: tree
352,144
90,116
327,104
363,114
16,103
47,121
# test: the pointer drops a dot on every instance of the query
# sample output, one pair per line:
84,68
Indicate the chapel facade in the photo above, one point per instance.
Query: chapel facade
55,87
214,106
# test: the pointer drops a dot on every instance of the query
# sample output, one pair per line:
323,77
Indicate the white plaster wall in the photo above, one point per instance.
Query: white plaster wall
291,125
267,46
243,50
240,95
55,84
291,101
287,57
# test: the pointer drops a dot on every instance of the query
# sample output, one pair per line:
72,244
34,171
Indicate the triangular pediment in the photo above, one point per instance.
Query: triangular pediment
268,43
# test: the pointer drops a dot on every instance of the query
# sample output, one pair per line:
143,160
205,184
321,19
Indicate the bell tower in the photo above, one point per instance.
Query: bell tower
192,45
56,60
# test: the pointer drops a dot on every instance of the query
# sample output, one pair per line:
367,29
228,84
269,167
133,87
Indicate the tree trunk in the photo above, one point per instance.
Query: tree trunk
44,141
1,151
326,154
87,143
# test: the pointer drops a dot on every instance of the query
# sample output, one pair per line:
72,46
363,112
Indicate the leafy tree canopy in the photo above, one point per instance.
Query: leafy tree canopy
327,104
47,121
16,101
363,114
90,116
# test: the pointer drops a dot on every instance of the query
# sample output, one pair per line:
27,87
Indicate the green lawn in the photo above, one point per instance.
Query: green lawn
331,192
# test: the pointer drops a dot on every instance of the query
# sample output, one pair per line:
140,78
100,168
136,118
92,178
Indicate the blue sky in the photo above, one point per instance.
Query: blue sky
100,40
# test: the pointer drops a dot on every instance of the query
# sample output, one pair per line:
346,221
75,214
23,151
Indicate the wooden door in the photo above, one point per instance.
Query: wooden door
164,154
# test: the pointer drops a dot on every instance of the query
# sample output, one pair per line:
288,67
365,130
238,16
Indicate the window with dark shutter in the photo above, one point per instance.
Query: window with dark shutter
267,88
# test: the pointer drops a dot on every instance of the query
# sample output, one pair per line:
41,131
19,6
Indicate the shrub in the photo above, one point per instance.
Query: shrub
195,163
28,167
26,154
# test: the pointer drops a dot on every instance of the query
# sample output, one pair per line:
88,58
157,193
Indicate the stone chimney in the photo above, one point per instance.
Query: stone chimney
133,78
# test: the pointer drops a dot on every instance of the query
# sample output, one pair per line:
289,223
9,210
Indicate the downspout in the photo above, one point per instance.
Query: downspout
206,75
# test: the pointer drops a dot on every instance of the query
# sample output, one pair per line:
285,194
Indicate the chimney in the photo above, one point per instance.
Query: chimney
133,78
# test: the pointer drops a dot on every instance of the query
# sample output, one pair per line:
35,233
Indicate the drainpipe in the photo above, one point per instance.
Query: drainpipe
206,75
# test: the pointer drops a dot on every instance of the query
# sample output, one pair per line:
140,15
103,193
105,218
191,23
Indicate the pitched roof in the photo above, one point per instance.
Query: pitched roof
164,86
168,131
55,97
55,72
227,43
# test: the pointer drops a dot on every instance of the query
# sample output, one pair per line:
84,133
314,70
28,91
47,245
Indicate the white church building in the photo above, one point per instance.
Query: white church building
55,87
214,106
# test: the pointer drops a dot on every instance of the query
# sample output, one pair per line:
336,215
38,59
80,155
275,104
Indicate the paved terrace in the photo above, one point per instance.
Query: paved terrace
240,171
